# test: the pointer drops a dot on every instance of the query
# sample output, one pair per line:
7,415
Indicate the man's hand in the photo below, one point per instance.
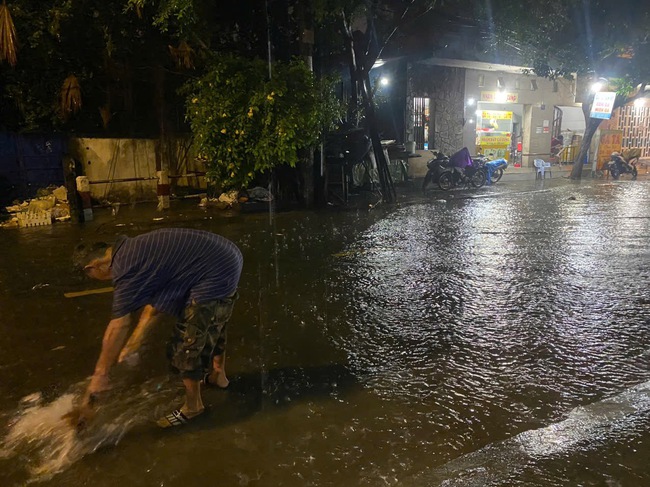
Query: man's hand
83,414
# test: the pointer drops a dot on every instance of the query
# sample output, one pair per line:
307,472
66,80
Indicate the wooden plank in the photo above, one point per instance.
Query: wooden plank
100,290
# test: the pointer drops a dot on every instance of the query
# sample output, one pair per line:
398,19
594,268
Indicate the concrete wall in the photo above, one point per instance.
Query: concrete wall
108,159
418,165
445,87
115,159
521,85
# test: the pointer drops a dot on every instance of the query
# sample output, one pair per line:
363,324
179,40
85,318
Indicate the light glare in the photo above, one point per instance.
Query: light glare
596,87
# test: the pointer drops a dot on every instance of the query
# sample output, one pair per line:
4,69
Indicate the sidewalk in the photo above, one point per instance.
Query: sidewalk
560,171
555,171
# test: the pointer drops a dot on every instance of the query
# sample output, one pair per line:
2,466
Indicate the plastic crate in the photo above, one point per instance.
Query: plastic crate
34,218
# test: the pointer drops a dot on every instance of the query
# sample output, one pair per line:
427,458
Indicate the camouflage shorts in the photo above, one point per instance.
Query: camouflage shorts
200,336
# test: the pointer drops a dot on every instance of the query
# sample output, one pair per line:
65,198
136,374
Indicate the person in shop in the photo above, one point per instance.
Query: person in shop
187,273
556,147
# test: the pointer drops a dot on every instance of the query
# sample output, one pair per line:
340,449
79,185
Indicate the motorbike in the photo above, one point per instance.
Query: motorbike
463,171
435,167
494,170
618,166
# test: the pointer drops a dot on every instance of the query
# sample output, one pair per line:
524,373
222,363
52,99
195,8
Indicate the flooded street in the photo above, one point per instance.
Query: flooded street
501,339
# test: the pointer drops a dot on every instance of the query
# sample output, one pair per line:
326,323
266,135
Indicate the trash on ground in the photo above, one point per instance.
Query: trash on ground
49,206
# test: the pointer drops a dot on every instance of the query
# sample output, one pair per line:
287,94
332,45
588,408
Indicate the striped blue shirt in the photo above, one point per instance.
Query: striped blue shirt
171,267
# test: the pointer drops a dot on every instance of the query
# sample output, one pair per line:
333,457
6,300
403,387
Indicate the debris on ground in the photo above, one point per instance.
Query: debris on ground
232,198
50,205
259,194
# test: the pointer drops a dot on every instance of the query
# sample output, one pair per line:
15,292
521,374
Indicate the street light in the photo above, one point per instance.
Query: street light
384,81
470,102
599,84
596,87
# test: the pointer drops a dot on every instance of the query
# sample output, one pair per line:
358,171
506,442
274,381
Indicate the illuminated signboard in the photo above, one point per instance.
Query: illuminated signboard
494,140
496,115
499,97
603,105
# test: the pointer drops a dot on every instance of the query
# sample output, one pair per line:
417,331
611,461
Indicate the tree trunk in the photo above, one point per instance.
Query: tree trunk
592,124
360,62
590,129
385,179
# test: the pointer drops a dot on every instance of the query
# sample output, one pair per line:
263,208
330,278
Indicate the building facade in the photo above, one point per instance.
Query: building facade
494,109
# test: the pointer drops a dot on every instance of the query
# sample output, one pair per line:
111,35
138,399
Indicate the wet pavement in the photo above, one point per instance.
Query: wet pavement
494,337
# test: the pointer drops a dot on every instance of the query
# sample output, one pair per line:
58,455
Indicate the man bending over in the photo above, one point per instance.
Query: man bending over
190,274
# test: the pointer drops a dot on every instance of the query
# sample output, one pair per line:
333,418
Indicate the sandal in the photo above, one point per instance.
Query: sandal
174,419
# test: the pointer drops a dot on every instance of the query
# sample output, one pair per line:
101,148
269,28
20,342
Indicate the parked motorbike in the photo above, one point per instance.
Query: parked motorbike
435,167
494,170
462,171
617,166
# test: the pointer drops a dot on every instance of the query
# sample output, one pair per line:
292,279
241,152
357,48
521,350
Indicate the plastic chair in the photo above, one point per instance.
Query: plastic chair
542,168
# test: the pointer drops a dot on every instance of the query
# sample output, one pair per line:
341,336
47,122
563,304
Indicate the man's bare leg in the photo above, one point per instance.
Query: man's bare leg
193,403
193,406
218,375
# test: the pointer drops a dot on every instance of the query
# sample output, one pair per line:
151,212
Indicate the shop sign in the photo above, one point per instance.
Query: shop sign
494,140
496,115
603,105
497,97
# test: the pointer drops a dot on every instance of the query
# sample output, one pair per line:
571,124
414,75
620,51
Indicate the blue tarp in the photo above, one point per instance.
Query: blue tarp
493,166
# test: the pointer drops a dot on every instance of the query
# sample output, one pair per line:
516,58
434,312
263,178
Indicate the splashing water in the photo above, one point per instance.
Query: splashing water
45,442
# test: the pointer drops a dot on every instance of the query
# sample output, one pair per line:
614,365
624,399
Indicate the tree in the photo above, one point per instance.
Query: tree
362,29
85,67
245,123
368,28
592,39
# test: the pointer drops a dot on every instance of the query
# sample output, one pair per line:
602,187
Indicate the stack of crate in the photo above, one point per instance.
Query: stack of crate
34,218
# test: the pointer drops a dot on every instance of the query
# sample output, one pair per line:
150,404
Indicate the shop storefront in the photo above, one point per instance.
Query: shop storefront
498,110
498,125
494,132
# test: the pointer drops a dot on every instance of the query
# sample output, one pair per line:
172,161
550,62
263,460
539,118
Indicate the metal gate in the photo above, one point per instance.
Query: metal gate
27,163
421,116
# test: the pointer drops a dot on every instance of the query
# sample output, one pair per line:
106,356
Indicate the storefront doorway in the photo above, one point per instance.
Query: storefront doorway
498,130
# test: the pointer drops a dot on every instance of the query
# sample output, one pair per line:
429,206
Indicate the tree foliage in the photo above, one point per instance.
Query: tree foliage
112,54
244,123
563,37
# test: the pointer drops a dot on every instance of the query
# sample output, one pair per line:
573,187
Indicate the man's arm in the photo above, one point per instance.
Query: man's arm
113,341
149,317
